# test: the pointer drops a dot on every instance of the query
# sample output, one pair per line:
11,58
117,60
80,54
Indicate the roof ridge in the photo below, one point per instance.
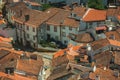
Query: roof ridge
86,13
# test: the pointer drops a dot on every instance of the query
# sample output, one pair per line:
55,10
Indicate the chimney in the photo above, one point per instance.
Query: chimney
27,17
8,71
104,68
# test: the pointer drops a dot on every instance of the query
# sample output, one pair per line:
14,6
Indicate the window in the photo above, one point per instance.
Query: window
33,37
74,15
70,28
63,34
34,44
56,37
63,27
98,23
16,24
48,27
20,26
55,29
42,1
65,42
27,35
90,24
27,27
33,29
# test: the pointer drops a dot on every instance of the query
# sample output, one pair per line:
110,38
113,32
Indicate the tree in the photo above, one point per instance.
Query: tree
97,4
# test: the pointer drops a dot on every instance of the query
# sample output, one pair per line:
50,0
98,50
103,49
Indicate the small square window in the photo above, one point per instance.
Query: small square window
70,28
27,27
33,37
63,27
48,27
64,34
55,28
28,36
33,29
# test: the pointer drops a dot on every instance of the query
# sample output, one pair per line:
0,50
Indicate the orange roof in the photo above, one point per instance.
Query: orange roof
2,21
80,11
118,17
101,28
18,77
5,39
104,74
72,51
94,15
74,48
59,53
71,22
29,66
114,42
13,51
6,75
15,77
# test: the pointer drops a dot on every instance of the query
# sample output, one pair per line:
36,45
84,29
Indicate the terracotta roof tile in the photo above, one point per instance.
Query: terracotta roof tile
118,17
104,74
113,12
5,39
71,22
60,60
105,42
59,72
117,57
94,15
101,28
29,66
18,77
36,18
59,17
59,53
113,35
84,38
5,45
80,11
103,59
14,59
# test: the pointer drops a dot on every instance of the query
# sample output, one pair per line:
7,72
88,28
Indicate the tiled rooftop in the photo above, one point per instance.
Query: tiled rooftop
94,15
80,11
19,60
103,74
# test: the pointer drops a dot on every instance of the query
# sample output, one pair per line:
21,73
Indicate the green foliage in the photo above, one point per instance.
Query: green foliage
47,44
97,4
46,6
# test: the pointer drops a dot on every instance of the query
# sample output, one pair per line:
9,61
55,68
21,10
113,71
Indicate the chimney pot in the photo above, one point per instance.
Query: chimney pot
27,17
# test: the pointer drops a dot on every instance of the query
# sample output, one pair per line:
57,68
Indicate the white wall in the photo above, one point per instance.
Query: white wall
22,33
52,33
58,33
67,31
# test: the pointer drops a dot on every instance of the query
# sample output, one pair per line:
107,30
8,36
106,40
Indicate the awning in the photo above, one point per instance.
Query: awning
101,28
